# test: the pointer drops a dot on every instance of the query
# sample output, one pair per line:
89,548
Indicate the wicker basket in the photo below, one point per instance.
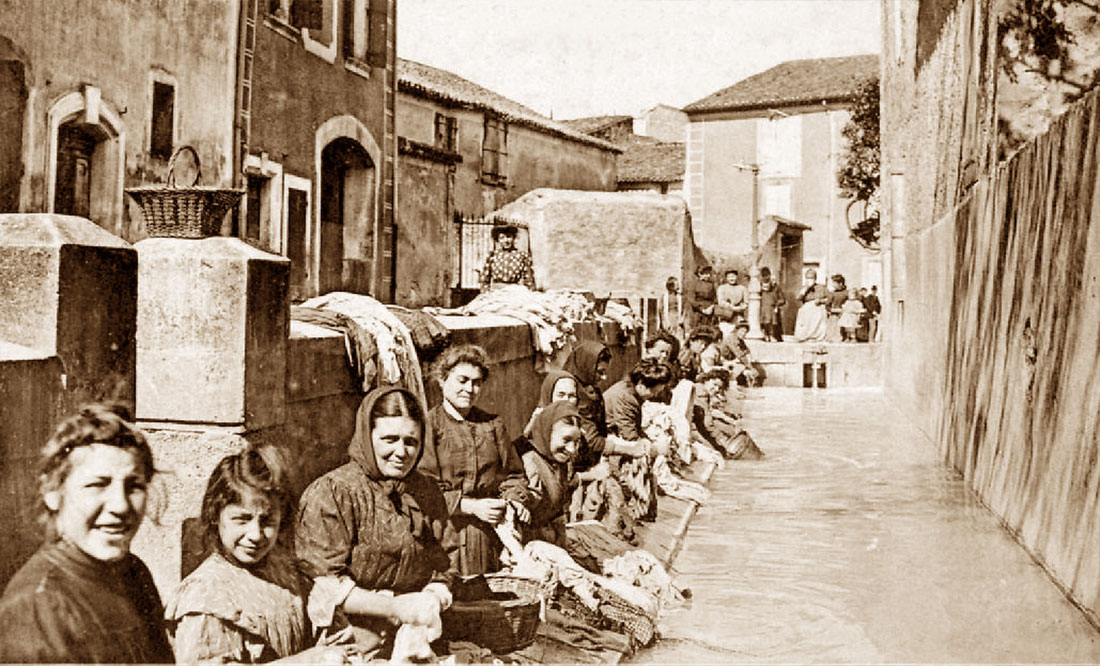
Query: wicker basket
183,212
500,626
613,612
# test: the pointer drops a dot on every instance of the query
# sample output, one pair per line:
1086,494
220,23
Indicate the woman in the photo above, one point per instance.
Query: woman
555,438
373,535
811,325
473,460
245,602
83,596
772,302
838,294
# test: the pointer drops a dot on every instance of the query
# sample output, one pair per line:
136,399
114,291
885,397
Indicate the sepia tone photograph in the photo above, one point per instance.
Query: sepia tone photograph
550,331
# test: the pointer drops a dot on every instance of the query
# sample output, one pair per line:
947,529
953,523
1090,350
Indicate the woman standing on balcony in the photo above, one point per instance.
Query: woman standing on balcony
473,460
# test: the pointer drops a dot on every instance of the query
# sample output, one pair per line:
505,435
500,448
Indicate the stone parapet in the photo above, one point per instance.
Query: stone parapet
213,323
69,288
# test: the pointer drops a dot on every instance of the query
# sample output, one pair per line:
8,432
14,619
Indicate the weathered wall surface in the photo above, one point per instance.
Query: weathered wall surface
425,233
189,42
996,294
628,243
535,159
1023,417
32,399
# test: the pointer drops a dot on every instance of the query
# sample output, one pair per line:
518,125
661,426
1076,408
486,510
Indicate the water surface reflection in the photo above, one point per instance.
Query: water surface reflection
852,543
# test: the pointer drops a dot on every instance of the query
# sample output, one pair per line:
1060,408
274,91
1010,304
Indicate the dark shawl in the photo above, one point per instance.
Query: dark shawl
391,534
554,476
546,392
582,365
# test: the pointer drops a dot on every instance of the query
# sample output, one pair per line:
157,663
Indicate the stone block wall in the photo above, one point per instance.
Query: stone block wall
32,400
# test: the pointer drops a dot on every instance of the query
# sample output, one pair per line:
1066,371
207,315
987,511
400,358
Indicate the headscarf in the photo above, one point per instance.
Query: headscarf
544,425
546,393
582,362
361,452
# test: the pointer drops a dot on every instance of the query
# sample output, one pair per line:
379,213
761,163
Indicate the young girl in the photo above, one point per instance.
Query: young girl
83,596
244,603
850,315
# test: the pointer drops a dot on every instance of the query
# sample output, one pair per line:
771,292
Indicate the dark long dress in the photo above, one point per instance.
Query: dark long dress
473,458
65,606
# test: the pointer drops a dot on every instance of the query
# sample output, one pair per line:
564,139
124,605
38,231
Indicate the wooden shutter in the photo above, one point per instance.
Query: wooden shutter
376,35
309,14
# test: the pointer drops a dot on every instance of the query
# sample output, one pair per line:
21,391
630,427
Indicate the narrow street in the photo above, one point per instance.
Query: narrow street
850,542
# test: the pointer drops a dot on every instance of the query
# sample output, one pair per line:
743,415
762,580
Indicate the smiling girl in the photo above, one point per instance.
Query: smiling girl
84,597
244,602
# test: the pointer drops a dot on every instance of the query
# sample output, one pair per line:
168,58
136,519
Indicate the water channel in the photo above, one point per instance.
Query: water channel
851,543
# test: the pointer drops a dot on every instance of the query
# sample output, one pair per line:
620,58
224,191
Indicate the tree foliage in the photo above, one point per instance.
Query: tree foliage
1034,37
858,173
860,163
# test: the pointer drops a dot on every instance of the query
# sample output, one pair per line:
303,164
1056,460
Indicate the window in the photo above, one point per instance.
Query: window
779,145
308,14
254,204
494,149
162,126
777,200
355,30
446,132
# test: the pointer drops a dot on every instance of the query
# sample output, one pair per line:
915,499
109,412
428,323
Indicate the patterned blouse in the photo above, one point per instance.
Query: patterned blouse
223,612
508,266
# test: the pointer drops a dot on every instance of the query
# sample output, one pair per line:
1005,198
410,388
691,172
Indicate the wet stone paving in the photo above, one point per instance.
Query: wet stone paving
852,543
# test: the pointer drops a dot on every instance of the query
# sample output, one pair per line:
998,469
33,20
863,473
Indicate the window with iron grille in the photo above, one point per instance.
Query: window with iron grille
494,149
446,132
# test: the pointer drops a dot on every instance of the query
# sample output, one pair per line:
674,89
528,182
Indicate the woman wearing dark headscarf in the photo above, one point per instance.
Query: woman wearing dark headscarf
600,498
374,534
555,438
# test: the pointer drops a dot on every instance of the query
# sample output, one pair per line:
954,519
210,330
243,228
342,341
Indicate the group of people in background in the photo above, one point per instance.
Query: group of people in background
827,313
367,555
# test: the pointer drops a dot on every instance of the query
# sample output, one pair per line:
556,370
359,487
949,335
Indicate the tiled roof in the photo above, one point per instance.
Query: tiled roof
646,160
793,82
594,124
425,81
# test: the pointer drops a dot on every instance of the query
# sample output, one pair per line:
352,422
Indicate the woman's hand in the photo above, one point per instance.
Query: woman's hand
420,608
488,509
522,514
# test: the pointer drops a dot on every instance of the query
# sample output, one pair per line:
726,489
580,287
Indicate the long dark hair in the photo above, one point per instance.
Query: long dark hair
234,477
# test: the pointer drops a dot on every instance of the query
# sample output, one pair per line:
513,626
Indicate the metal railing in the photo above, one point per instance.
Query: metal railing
475,242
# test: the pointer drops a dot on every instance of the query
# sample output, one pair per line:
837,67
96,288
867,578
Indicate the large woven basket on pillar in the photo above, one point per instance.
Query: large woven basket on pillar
192,211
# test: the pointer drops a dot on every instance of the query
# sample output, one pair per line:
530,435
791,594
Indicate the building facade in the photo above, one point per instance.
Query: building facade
662,122
786,122
468,151
315,119
86,111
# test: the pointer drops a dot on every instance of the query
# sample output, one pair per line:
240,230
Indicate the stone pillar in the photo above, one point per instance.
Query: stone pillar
755,333
69,288
213,322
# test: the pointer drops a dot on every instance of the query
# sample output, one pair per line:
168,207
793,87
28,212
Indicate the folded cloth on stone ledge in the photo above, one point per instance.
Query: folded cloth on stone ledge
358,341
427,333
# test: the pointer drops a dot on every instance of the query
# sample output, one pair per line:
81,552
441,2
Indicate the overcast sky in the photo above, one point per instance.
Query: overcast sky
592,57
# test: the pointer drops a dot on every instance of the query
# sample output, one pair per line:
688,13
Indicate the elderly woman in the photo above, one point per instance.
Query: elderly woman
84,597
473,460
373,534
554,440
